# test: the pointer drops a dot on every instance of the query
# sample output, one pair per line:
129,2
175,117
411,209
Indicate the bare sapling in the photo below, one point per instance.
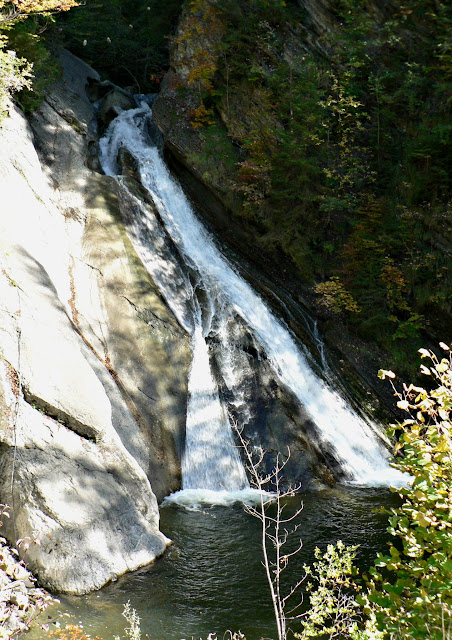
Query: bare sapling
276,529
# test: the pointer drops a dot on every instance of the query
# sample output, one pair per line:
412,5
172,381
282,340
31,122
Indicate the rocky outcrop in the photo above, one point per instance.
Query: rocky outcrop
269,414
92,364
112,301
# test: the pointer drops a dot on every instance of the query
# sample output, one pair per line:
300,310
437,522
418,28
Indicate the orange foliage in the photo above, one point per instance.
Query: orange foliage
72,632
39,6
201,116
200,34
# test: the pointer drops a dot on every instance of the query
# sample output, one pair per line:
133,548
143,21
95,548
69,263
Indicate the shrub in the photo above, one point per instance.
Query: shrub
15,73
409,593
335,297
411,588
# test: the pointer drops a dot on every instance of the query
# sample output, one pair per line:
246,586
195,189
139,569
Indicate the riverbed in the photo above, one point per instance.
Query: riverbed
212,579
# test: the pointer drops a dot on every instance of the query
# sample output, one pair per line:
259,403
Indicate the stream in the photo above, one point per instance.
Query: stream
212,579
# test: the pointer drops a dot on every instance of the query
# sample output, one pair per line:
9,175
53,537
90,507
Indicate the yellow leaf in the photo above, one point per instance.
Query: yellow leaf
442,366
397,447
423,520
382,374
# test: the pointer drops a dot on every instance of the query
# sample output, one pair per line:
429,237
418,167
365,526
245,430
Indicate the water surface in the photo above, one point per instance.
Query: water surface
212,578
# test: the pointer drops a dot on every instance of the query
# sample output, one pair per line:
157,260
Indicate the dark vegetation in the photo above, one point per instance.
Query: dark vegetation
24,60
126,41
344,149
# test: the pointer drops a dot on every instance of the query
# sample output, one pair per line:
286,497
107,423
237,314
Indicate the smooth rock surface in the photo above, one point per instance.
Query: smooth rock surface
92,364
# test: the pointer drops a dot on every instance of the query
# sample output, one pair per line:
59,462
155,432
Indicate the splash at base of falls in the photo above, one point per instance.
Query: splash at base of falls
197,498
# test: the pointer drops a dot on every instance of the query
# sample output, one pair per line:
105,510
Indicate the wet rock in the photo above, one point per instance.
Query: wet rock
268,414
115,101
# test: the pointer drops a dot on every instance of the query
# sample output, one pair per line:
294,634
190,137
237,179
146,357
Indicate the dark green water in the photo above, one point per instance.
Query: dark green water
212,578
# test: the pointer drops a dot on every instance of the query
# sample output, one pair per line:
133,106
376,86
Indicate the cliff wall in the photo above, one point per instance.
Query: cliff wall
91,432
313,136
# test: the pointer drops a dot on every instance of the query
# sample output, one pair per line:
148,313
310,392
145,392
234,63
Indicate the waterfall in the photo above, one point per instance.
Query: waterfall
209,436
200,285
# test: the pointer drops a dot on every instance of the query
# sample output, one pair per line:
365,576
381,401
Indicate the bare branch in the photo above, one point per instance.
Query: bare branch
274,533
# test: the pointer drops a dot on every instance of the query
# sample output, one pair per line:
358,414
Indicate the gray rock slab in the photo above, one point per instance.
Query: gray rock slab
113,303
90,506
93,366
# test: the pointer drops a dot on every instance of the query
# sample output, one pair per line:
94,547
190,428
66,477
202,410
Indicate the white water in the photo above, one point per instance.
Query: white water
209,437
224,294
196,499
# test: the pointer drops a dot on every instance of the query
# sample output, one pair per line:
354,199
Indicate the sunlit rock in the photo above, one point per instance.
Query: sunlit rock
93,365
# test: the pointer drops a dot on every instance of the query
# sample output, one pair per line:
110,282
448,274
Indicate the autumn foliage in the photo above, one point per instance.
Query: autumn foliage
22,7
411,586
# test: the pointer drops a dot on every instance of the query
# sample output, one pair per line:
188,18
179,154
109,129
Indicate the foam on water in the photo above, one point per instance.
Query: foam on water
198,498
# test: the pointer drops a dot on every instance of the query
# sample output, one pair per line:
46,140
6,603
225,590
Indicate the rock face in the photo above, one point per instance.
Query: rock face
206,160
87,420
270,416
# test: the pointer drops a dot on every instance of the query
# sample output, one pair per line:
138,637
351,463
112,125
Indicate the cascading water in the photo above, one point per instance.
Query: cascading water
209,437
200,285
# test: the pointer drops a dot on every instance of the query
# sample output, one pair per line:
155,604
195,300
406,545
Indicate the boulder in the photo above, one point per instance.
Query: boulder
115,101
89,504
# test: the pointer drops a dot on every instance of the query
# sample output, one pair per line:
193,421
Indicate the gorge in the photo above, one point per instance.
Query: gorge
160,286
207,297
91,396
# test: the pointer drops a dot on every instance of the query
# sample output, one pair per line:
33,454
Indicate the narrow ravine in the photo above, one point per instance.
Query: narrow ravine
203,291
